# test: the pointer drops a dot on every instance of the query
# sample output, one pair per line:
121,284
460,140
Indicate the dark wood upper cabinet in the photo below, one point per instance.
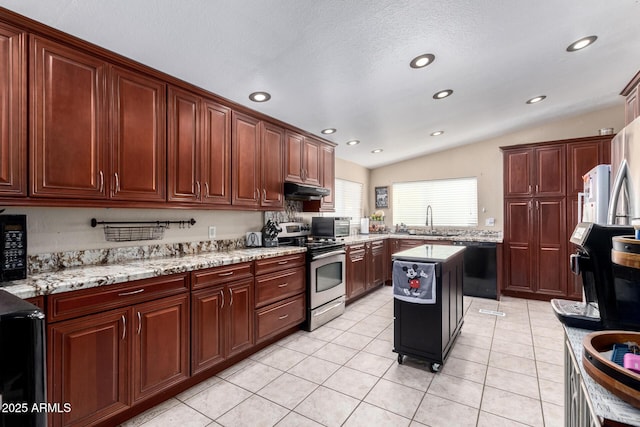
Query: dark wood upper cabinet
303,159
582,156
138,138
13,113
272,184
183,153
216,153
68,147
199,149
631,92
245,149
327,163
536,172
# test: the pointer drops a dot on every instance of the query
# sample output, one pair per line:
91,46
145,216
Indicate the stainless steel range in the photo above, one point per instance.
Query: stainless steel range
326,263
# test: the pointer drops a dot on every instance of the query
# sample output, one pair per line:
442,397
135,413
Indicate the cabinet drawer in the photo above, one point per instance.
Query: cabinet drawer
269,265
67,305
358,247
225,274
277,317
277,286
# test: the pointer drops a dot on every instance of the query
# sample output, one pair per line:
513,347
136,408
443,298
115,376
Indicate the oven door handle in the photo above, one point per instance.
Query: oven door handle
328,254
320,313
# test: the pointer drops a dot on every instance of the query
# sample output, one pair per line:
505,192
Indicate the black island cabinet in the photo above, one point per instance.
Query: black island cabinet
428,302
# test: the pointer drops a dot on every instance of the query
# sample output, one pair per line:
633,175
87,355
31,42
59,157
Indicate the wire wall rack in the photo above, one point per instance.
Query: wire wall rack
131,231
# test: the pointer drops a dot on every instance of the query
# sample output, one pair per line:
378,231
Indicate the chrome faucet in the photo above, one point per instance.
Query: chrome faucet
429,209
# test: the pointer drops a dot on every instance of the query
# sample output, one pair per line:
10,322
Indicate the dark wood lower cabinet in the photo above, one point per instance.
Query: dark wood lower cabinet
88,367
356,270
160,345
222,323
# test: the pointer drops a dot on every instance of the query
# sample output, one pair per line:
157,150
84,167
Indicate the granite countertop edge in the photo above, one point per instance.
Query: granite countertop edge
453,238
72,279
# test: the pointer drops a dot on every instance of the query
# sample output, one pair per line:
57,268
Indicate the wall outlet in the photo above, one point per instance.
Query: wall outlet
212,232
490,222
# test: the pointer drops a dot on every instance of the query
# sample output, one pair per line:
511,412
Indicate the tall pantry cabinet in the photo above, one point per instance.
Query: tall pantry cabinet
541,182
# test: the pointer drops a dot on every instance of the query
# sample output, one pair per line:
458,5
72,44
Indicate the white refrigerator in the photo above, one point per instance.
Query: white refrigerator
624,203
593,203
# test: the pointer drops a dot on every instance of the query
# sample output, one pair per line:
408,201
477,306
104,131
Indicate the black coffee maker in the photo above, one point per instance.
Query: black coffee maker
603,298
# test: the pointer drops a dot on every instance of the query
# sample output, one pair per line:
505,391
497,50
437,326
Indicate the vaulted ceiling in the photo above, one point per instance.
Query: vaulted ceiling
344,64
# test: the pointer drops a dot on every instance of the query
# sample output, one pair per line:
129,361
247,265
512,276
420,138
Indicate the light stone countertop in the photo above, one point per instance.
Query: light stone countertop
84,277
458,236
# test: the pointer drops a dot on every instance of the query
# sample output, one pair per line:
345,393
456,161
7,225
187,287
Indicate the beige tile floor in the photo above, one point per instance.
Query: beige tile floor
502,371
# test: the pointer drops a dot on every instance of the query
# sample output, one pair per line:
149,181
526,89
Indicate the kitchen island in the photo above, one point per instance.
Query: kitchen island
429,311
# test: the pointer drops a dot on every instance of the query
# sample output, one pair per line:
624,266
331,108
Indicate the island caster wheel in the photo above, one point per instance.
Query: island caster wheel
400,359
435,367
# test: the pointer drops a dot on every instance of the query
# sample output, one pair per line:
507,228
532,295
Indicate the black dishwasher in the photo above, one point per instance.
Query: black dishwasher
480,277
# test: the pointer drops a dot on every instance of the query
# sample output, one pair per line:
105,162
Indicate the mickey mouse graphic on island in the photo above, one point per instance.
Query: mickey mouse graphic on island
414,282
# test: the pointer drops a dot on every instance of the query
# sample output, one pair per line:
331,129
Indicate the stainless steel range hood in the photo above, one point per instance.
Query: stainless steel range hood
294,191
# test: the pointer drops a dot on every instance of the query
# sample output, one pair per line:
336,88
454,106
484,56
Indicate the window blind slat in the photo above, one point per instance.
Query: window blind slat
348,199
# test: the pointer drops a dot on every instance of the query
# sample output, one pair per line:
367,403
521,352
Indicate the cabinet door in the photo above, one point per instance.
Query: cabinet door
207,333
240,325
245,152
216,153
293,157
328,203
183,146
376,264
517,173
13,115
272,156
581,158
356,270
67,109
88,367
138,140
311,162
551,246
550,171
161,345
518,244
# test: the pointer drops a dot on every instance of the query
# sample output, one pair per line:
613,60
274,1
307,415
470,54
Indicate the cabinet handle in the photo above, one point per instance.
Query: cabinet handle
139,323
226,274
283,317
124,294
258,194
124,327
529,188
283,262
197,189
101,181
537,205
206,189
283,285
117,183
264,194
231,295
536,188
222,294
529,205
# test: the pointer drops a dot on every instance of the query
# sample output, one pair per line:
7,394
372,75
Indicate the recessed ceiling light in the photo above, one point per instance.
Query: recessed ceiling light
581,44
260,96
422,60
377,150
442,94
328,131
353,142
536,99
436,133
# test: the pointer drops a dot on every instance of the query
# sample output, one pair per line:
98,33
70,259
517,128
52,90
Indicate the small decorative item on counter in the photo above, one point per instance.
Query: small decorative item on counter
270,234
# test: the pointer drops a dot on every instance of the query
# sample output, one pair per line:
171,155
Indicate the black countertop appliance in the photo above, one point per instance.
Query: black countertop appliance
22,364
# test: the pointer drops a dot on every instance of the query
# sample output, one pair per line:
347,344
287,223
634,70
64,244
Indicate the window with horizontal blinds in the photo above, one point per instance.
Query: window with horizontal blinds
348,198
454,202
